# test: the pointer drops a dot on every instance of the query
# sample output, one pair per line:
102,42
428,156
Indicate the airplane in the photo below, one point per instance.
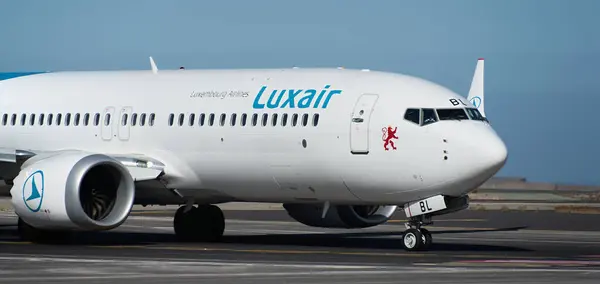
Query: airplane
339,148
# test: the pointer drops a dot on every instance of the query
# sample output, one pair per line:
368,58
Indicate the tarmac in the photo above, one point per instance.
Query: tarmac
264,245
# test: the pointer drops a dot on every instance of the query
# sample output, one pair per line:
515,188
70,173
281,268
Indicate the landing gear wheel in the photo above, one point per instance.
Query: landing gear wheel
205,223
412,240
426,239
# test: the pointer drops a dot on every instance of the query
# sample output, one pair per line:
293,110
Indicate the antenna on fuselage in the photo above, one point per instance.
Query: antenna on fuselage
153,65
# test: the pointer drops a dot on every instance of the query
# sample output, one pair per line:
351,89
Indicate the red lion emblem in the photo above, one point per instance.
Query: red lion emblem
388,135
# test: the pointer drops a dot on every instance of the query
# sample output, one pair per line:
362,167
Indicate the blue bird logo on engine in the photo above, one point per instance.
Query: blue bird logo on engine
33,191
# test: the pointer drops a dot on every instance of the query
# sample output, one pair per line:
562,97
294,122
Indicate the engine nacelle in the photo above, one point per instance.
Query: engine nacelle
73,190
340,216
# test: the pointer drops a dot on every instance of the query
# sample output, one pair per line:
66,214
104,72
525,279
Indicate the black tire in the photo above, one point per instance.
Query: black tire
412,240
217,223
186,224
427,239
205,223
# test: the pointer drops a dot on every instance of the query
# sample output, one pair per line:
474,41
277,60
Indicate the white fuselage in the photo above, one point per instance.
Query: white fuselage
342,159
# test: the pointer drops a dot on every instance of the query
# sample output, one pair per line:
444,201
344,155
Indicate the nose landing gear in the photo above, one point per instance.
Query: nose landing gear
419,214
415,237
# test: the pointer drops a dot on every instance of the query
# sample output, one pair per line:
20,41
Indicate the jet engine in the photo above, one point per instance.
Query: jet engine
73,191
340,216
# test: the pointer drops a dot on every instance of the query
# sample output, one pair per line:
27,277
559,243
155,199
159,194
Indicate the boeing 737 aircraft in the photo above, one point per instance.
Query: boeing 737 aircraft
339,148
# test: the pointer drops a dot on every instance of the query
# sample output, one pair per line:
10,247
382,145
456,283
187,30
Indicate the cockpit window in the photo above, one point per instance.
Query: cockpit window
429,116
474,114
452,113
413,115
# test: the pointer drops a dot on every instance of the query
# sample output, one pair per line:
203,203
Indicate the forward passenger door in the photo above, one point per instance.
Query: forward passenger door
359,126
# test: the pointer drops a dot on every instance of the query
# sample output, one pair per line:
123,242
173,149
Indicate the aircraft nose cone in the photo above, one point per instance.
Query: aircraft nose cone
493,154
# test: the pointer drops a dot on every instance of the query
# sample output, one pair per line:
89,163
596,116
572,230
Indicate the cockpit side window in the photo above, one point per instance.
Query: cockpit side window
474,114
452,113
428,116
413,115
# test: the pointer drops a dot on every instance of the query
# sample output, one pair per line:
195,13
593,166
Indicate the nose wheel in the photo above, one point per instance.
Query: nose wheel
416,238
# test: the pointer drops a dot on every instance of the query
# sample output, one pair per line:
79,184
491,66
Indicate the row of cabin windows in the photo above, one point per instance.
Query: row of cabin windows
76,119
209,119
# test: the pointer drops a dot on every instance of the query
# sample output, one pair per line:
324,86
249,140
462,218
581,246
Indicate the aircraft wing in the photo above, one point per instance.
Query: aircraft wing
140,167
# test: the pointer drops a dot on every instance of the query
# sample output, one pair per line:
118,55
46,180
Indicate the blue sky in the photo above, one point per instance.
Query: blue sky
542,57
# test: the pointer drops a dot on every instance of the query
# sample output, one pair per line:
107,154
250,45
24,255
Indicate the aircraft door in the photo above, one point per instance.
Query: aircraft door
124,123
106,122
359,126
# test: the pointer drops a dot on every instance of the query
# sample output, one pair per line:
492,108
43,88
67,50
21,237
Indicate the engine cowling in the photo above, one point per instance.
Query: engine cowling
73,190
340,216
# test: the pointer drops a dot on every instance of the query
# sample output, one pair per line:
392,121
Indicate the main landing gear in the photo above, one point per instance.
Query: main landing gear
415,237
205,223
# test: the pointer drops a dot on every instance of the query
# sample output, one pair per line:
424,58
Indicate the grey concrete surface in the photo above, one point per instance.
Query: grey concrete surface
474,247
581,208
49,269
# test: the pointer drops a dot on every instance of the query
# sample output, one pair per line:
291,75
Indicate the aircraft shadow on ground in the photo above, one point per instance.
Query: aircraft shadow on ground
355,240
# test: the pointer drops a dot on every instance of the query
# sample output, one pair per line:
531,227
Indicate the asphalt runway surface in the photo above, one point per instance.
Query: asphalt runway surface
269,247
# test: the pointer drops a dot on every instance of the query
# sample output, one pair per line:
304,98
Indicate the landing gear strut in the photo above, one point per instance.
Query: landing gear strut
415,237
205,223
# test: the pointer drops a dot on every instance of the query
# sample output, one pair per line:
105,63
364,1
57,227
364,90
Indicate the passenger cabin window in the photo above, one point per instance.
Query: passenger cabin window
315,119
192,119
181,117
32,119
151,119
96,119
106,119
76,119
222,120
50,119
171,119
134,119
67,119
211,119
413,115
254,119
452,114
243,119
143,119
294,119
41,119
4,119
264,119
201,120
233,118
428,116
124,119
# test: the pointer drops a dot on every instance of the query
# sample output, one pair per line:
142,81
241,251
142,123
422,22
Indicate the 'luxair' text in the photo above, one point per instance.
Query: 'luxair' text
286,98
